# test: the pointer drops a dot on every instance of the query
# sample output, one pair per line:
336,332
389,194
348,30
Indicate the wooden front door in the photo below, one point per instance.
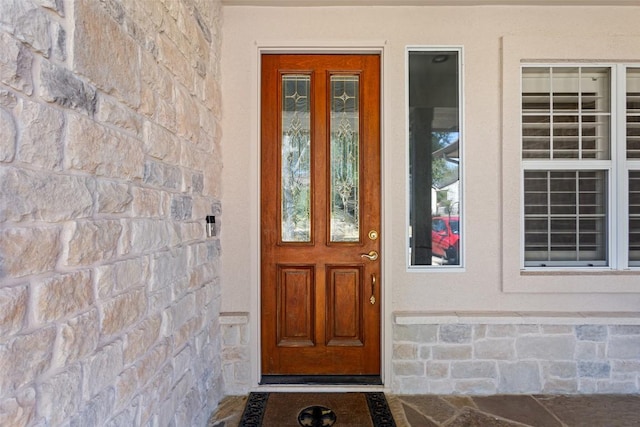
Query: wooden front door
320,215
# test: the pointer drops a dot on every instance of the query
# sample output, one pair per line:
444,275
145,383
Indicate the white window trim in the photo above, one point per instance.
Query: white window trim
617,168
525,49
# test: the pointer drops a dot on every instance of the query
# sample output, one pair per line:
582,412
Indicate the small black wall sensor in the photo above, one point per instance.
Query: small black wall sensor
211,225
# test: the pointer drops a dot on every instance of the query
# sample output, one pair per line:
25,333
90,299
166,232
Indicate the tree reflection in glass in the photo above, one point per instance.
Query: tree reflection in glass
296,159
345,159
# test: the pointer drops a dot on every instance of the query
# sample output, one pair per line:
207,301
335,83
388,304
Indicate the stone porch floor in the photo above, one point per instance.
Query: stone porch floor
489,411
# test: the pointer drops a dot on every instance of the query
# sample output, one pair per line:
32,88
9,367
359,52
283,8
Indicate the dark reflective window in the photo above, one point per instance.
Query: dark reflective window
434,157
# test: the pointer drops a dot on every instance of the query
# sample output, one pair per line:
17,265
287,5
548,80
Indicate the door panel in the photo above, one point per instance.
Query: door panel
295,306
344,294
320,197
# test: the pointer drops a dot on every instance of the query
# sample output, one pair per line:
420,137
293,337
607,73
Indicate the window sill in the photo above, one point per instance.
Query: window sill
516,318
591,271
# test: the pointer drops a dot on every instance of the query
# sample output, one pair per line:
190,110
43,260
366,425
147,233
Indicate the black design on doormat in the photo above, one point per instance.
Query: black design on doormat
378,409
316,416
254,410
380,413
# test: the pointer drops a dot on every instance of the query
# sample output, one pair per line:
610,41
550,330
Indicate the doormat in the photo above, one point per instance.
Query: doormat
316,410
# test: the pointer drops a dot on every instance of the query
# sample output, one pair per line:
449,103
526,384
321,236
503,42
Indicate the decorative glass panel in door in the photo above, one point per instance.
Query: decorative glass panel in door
345,159
296,159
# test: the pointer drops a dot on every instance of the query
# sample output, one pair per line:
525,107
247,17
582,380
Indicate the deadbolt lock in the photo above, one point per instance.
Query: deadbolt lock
373,235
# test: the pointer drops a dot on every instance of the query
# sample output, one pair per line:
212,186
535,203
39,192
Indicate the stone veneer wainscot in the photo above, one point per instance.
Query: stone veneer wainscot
512,353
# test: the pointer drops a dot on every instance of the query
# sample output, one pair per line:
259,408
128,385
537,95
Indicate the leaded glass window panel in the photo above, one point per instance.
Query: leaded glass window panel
296,159
345,158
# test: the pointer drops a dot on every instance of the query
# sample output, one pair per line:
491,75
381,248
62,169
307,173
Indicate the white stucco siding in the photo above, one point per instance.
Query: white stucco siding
490,168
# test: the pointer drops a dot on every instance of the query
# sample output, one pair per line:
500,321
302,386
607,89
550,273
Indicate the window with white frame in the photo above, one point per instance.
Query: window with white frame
435,162
581,165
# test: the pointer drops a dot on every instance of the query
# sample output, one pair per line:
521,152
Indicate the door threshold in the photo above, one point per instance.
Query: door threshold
321,380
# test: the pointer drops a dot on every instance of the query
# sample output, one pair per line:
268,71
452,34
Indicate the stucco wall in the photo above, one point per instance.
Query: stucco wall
494,39
490,171
109,162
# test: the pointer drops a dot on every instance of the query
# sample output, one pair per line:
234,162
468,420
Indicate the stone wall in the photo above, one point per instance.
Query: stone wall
109,162
236,354
512,355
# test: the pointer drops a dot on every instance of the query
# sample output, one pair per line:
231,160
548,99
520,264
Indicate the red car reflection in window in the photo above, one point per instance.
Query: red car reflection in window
445,239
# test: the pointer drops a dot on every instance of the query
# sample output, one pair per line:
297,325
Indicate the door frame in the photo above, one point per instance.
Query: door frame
378,48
